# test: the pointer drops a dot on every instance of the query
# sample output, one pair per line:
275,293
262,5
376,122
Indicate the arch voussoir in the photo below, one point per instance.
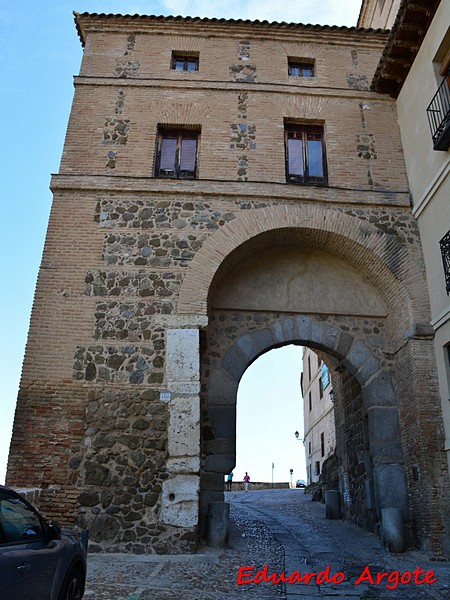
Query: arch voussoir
283,330
222,388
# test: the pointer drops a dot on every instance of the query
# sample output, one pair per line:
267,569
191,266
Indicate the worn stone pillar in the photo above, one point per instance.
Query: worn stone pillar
393,529
388,472
180,493
218,524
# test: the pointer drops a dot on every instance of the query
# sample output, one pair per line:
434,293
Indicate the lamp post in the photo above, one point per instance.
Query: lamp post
297,437
291,471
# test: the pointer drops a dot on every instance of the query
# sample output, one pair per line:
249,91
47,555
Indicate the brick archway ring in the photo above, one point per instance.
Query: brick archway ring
377,255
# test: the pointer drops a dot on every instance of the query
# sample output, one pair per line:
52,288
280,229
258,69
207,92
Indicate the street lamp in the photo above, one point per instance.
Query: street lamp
291,471
297,437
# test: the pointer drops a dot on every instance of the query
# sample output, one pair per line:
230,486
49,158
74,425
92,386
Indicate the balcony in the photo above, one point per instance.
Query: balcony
438,113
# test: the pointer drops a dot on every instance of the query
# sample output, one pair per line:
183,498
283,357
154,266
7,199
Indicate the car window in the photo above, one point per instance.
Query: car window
18,521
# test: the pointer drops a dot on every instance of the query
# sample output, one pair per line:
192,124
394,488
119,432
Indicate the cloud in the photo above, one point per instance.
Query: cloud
327,12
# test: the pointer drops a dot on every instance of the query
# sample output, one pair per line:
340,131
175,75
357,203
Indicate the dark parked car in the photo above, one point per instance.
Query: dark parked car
300,483
38,559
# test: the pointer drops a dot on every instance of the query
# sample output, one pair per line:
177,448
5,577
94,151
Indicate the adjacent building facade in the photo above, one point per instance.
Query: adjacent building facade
420,82
226,187
318,413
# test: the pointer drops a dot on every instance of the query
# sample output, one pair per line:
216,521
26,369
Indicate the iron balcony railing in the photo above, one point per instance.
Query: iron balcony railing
438,113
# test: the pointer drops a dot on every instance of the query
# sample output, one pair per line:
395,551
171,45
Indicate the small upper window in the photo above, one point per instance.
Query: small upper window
184,62
177,154
300,69
305,155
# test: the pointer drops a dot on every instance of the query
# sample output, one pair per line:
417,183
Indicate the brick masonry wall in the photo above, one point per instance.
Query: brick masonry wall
128,256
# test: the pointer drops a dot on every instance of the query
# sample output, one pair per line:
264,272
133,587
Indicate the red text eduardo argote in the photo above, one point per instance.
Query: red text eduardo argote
390,579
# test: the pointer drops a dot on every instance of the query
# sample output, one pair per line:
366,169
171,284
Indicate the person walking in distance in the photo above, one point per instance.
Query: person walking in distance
229,481
246,481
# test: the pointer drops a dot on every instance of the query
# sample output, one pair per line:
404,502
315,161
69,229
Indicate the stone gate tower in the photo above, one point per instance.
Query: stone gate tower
226,187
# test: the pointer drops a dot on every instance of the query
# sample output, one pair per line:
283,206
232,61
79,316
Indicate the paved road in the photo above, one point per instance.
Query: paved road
273,532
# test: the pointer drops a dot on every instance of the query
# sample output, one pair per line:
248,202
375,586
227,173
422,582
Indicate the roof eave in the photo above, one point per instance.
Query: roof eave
82,30
411,25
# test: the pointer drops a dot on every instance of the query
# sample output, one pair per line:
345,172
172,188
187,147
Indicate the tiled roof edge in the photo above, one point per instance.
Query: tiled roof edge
162,18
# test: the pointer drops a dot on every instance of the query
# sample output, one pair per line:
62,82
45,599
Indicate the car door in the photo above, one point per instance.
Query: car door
27,560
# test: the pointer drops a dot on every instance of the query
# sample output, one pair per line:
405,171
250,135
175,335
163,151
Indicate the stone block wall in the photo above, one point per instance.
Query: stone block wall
123,470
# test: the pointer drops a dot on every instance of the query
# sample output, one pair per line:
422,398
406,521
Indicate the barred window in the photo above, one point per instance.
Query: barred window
445,251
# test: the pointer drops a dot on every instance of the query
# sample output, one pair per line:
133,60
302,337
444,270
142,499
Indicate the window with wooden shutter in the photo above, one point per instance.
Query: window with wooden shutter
305,155
177,154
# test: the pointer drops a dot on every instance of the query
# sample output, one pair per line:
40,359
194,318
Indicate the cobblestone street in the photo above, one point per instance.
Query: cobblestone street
287,532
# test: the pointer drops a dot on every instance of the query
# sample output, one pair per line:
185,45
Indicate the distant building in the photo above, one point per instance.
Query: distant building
320,435
379,14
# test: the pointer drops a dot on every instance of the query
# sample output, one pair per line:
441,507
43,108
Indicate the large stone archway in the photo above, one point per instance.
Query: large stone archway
379,405
385,348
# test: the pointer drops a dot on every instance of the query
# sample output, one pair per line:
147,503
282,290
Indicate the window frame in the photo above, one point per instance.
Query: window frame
303,66
179,134
302,131
186,57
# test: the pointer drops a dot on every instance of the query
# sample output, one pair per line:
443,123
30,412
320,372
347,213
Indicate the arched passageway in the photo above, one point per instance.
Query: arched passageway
368,419
317,277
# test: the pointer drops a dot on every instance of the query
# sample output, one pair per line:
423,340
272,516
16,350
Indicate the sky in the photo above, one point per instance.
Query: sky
269,412
39,54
